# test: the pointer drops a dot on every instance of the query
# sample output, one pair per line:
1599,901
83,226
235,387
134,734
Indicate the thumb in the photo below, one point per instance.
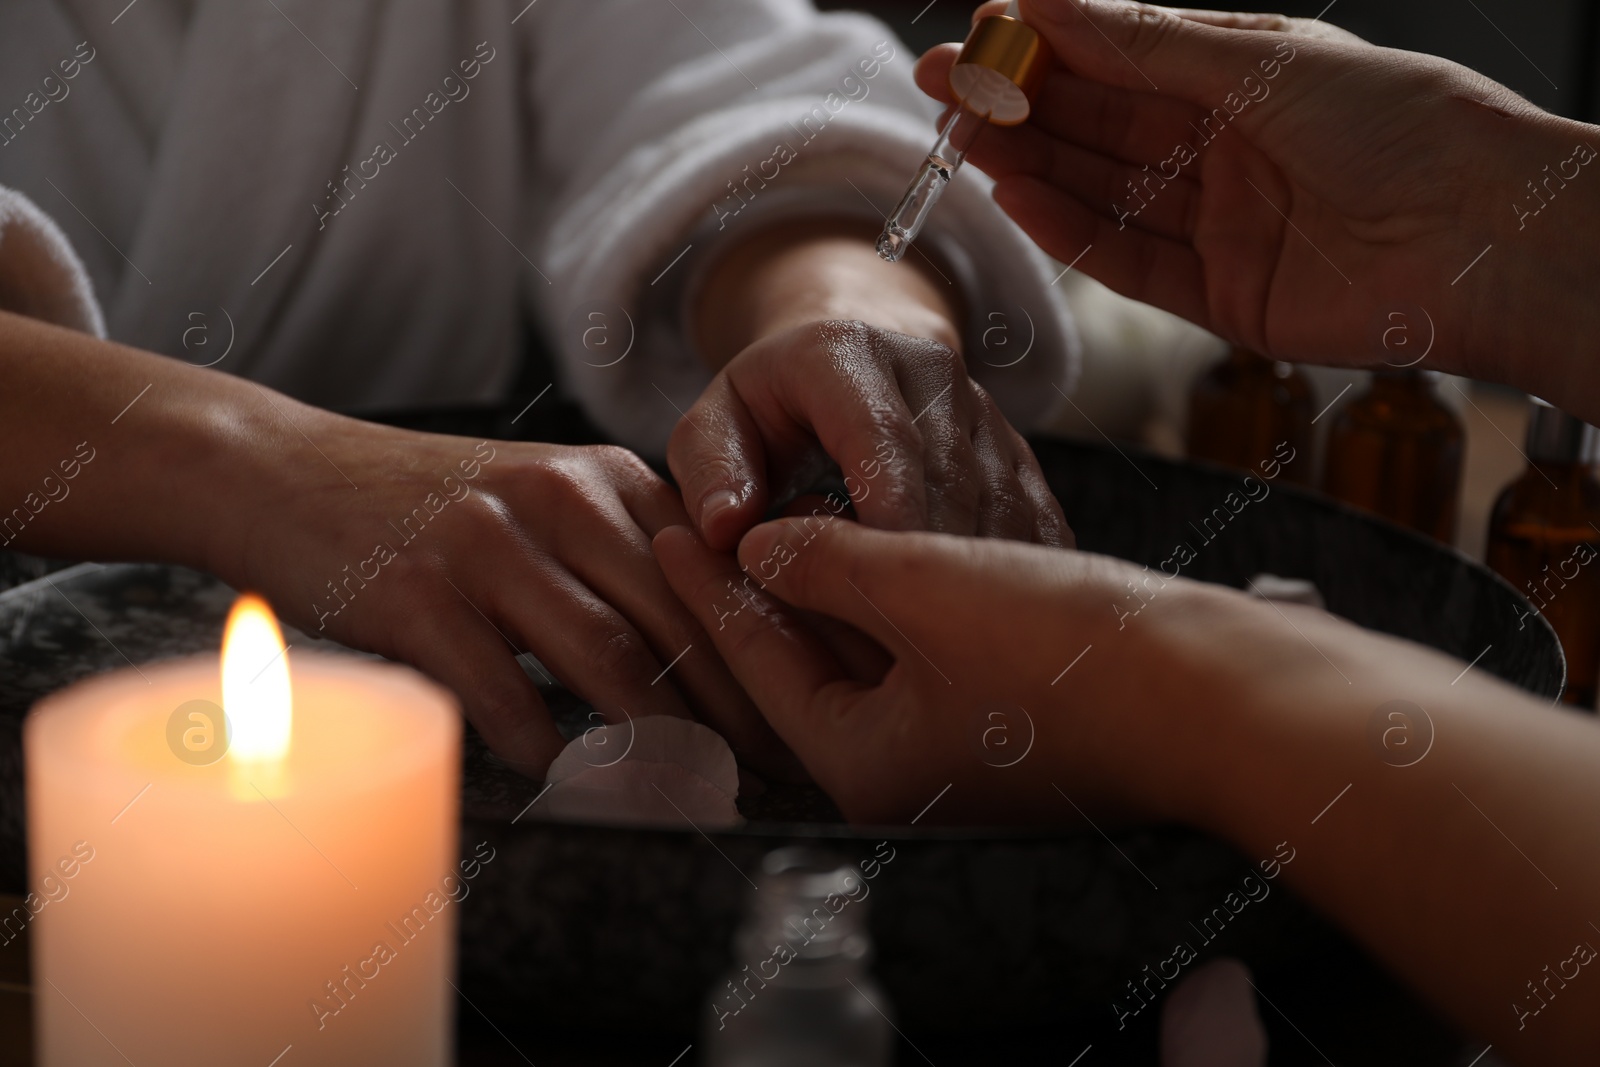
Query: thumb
868,578
1144,48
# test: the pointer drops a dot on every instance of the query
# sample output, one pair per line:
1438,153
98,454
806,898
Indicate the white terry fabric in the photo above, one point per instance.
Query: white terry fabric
40,275
192,164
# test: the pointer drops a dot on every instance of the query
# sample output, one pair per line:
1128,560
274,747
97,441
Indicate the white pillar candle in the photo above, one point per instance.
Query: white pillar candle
289,903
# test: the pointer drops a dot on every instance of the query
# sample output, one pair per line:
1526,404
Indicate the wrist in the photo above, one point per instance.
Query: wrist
147,448
1540,326
796,273
284,454
1264,713
1198,679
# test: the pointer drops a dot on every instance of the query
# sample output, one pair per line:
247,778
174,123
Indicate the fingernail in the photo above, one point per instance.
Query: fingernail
716,503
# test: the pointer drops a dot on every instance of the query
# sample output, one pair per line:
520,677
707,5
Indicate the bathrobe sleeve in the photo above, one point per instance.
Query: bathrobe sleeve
40,274
668,128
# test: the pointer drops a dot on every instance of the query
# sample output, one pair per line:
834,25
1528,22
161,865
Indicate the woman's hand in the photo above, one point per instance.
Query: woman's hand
827,352
454,555
1303,193
444,552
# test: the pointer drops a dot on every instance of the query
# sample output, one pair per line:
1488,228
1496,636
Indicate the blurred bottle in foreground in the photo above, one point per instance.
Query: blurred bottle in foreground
1244,407
1397,451
799,994
1544,537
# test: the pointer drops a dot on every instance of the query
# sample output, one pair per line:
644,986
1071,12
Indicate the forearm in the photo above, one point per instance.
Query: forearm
811,271
1443,857
111,452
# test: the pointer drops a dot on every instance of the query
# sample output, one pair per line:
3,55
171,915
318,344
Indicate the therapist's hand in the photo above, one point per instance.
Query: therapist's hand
826,352
1348,192
1380,780
990,687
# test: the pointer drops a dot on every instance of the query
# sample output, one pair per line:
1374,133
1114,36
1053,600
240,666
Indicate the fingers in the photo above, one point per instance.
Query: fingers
1125,154
834,384
461,649
862,658
786,669
718,458
645,647
623,570
988,8
1239,20
1152,197
953,469
839,569
1250,20
1017,503
1138,264
932,72
650,502
592,648
1146,48
1050,524
919,444
1129,125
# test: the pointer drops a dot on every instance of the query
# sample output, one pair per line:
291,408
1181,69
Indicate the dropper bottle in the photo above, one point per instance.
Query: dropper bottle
1000,68
1544,538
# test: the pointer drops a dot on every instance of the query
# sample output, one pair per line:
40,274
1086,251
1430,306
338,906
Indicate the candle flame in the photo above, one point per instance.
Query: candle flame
255,683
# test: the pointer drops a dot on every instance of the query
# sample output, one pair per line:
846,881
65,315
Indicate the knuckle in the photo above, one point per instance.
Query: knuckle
561,479
1008,510
953,475
898,426
622,460
1056,532
486,512
766,620
623,657
1146,28
683,448
920,351
416,571
842,335
709,472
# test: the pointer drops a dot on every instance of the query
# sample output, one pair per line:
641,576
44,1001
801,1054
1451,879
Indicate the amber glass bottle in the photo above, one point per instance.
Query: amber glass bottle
1245,407
1396,451
1544,538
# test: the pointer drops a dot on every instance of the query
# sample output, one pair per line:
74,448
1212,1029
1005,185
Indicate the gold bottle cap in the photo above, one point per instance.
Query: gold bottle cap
1000,68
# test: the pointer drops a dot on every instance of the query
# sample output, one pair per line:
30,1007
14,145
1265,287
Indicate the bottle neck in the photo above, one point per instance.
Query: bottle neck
806,925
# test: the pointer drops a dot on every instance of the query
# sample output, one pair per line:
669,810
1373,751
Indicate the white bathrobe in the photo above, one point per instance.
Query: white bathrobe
361,201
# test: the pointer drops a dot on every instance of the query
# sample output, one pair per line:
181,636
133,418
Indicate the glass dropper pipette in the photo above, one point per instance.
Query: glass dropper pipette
1000,67
956,138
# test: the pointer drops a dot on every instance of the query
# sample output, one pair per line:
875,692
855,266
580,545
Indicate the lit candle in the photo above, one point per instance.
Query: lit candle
276,887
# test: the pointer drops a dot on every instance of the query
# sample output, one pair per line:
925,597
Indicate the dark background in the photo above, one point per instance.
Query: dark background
1543,49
